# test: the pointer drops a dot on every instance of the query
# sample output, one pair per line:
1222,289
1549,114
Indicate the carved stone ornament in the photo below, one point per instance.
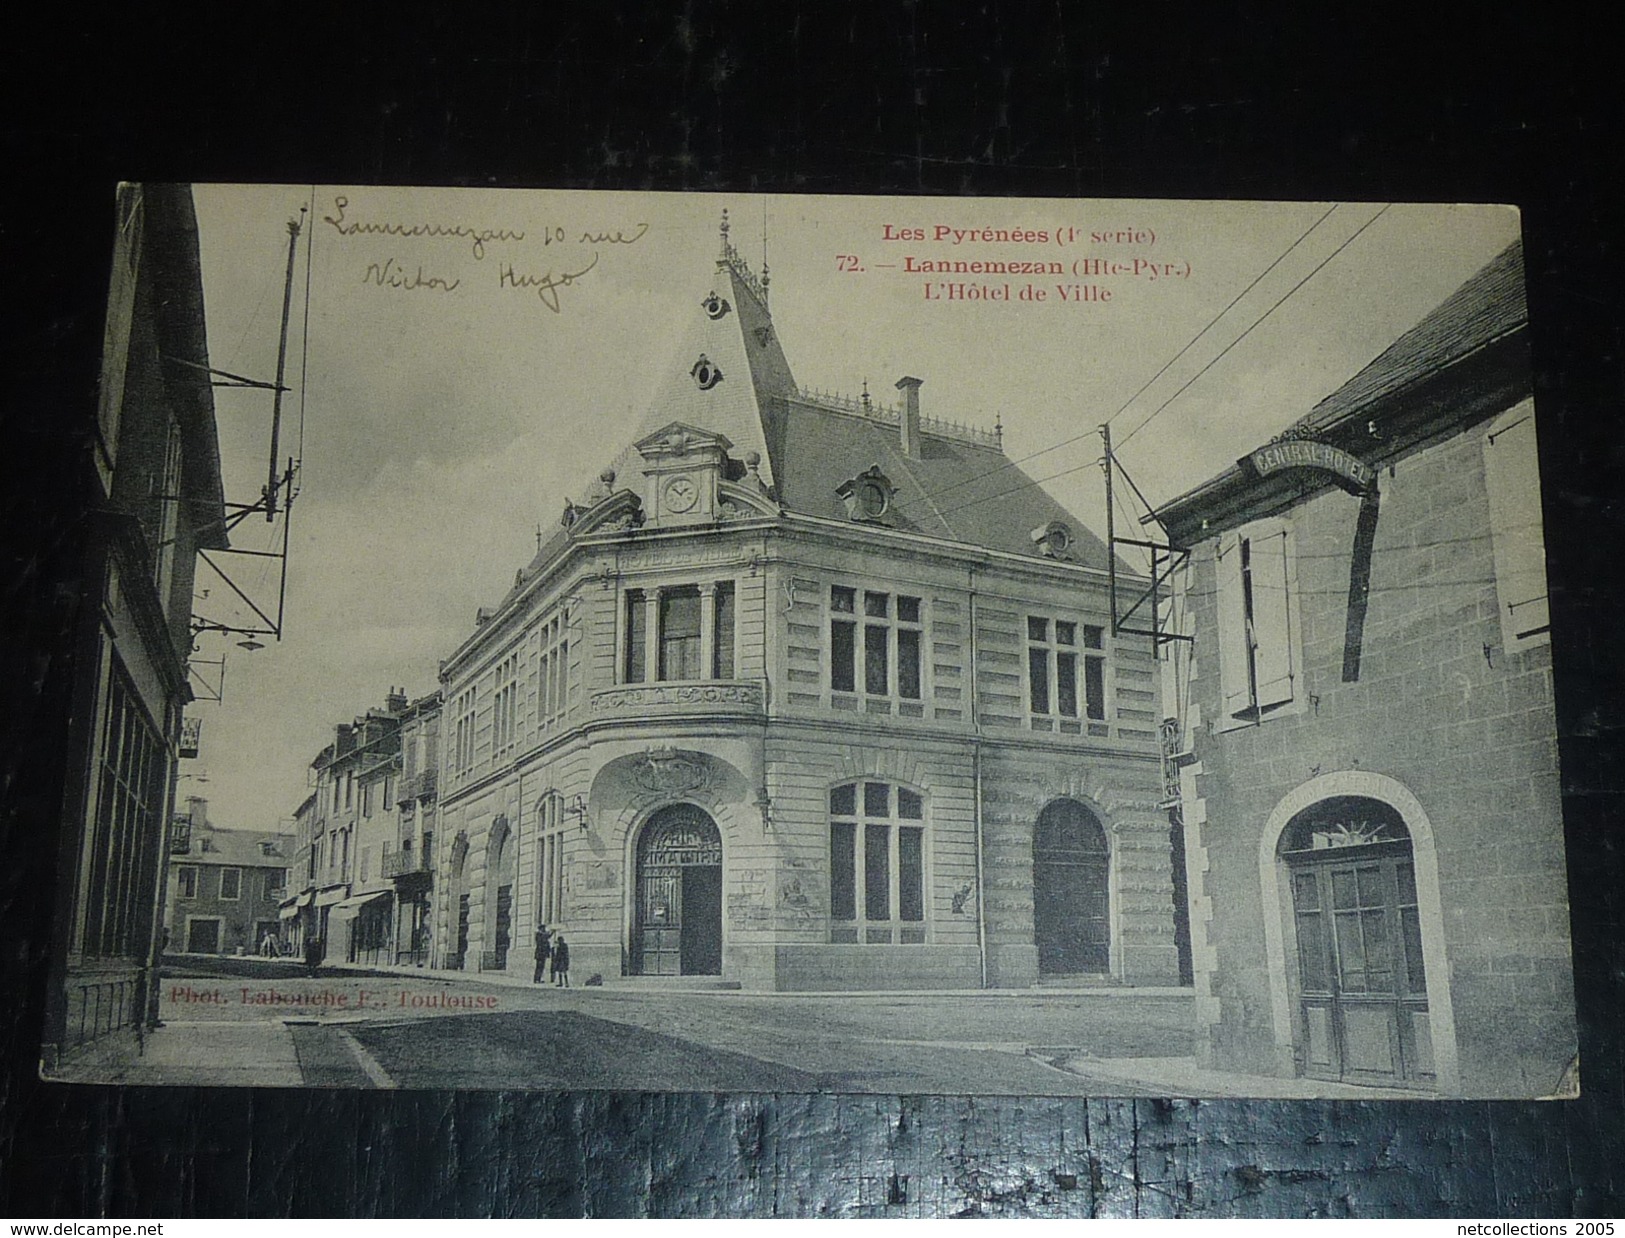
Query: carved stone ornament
669,772
716,307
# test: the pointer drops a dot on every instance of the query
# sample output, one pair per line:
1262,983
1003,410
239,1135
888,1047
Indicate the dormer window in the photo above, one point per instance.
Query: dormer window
868,496
705,373
1054,540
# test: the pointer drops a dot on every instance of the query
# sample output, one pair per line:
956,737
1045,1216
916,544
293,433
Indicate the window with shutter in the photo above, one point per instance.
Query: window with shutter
1512,479
1257,637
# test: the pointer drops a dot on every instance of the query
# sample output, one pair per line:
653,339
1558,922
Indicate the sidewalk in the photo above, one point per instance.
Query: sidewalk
717,986
199,1053
1180,1077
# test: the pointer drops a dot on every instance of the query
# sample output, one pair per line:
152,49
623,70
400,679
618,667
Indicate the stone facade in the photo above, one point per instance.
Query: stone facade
1448,722
830,706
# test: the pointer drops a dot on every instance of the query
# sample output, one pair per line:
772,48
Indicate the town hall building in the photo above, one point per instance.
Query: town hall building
807,693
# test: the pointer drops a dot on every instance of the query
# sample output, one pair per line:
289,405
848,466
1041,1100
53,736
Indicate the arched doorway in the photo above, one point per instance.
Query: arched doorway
677,928
1362,987
1071,864
499,873
457,946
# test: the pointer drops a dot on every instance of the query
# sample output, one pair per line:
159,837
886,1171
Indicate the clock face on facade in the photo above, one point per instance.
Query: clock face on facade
681,494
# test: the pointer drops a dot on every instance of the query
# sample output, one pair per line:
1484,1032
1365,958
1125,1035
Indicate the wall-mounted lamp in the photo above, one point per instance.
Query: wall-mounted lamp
764,804
577,806
250,644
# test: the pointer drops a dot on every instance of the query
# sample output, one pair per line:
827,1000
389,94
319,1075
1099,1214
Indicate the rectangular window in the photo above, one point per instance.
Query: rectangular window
1055,695
1257,654
876,872
505,705
1038,679
680,633
843,881
876,678
231,884
463,750
561,676
186,882
637,619
842,640
129,812
722,657
892,642
552,670
910,874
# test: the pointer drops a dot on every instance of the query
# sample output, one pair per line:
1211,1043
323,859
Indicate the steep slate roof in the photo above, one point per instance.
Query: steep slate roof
1466,360
961,486
954,489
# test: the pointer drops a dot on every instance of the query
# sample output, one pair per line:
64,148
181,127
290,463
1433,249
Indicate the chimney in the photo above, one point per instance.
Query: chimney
343,739
395,702
197,810
910,387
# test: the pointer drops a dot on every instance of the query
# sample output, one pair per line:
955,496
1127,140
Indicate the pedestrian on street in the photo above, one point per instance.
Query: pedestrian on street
313,954
561,962
544,951
268,946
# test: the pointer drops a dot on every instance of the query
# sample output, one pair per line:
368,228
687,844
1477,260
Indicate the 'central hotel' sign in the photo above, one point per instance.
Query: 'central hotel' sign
1304,454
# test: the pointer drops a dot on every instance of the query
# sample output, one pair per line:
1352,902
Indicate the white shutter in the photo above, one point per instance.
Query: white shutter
1512,477
1232,629
1272,629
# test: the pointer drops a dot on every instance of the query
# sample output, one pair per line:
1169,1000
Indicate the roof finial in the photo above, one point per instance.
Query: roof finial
866,405
998,430
765,277
724,230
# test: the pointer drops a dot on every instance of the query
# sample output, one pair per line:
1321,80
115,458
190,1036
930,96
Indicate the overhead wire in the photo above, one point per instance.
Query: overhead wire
1320,266
1027,483
1166,366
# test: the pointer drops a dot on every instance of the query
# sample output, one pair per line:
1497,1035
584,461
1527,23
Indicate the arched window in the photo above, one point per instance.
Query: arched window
876,863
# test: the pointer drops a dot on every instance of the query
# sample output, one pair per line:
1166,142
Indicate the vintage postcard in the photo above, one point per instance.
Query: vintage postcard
702,642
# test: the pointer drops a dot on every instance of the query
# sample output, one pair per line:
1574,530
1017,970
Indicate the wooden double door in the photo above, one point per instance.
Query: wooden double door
678,912
1362,1008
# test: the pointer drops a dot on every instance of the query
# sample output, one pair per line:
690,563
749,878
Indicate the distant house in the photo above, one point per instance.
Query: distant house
224,885
1370,782
341,894
409,861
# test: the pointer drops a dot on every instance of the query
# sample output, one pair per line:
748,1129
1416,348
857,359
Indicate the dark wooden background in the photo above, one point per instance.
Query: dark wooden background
1520,105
